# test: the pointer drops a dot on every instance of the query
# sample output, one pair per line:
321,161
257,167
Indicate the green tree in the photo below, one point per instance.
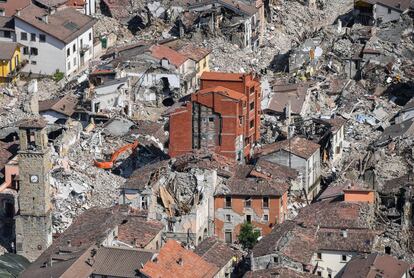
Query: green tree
248,236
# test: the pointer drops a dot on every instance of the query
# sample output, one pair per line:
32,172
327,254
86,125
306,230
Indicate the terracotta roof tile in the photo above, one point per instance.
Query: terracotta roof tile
139,232
175,261
216,252
222,76
120,262
297,145
279,272
65,24
11,7
223,91
164,52
375,265
65,105
193,52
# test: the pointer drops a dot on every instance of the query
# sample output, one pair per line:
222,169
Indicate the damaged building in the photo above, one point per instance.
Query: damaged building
179,193
243,22
320,240
223,116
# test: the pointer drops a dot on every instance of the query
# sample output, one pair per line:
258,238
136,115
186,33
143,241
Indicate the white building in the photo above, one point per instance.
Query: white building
61,40
87,7
299,154
111,95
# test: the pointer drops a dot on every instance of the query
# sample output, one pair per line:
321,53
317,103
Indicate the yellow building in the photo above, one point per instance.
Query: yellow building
201,57
10,59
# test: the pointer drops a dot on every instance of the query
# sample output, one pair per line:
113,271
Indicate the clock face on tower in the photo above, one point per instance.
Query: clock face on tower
34,179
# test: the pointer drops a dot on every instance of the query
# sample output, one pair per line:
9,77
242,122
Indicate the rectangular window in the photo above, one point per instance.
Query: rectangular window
2,13
7,34
266,217
265,202
68,65
248,218
251,90
90,36
319,256
319,273
247,202
74,48
251,123
33,51
74,62
42,38
344,258
228,218
33,37
389,10
23,36
275,260
68,52
251,105
228,237
228,202
25,50
33,62
240,121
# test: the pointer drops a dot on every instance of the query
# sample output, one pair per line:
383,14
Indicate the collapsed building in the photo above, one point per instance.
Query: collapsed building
243,22
162,75
179,193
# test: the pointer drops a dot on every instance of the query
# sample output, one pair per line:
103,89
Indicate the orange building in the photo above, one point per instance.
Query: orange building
261,202
223,116
358,193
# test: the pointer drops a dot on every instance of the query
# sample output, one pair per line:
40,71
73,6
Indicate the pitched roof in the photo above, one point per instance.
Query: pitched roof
7,50
175,261
356,240
216,252
51,3
11,7
327,214
223,91
6,23
267,169
120,262
299,146
193,52
267,245
164,52
278,272
65,105
375,265
65,24
138,231
86,232
221,76
284,94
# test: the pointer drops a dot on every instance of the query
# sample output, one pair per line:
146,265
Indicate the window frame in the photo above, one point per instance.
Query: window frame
265,202
42,37
23,36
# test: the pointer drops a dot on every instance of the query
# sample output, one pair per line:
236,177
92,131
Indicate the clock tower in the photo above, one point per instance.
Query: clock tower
34,221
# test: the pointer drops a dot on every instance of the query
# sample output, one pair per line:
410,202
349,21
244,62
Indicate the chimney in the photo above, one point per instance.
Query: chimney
344,233
18,13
